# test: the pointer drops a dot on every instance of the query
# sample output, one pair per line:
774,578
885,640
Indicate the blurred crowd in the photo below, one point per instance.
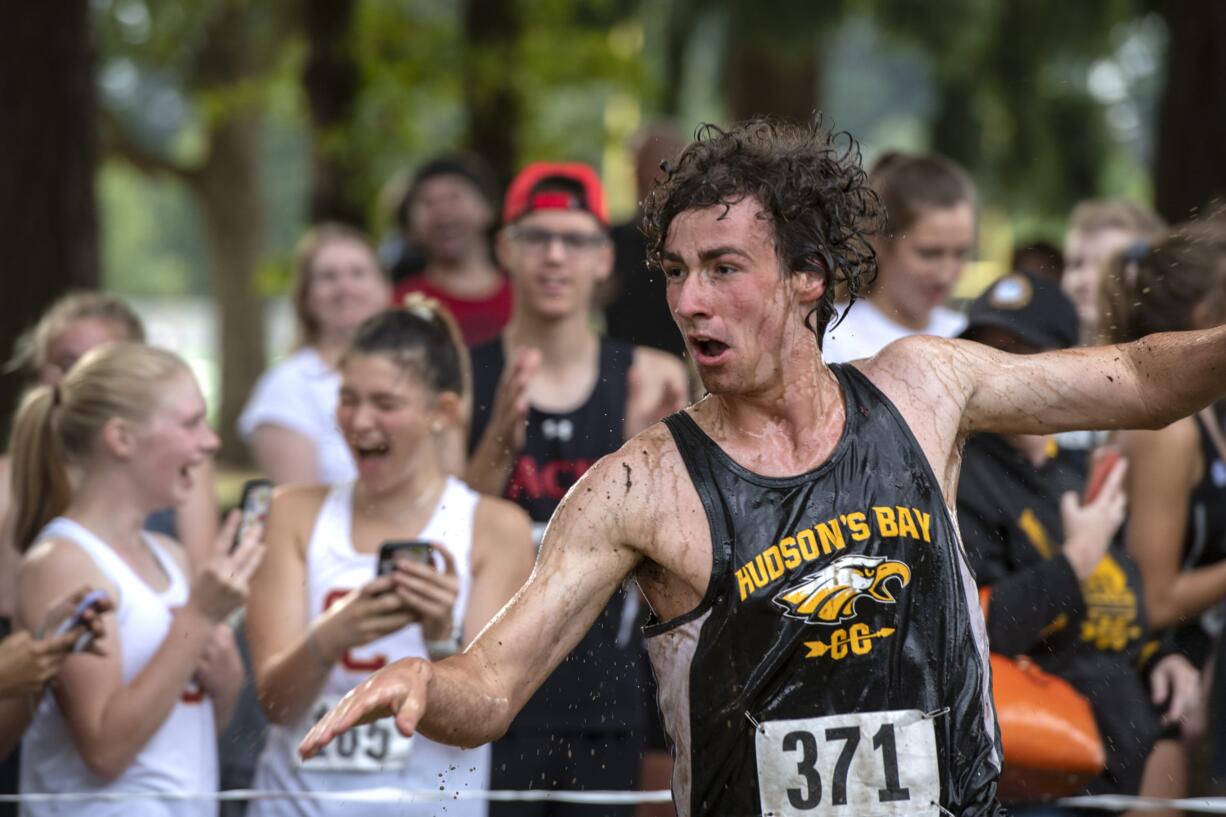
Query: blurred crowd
450,386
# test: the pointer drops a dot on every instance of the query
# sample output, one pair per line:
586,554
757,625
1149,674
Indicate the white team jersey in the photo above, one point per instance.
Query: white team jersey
181,755
375,755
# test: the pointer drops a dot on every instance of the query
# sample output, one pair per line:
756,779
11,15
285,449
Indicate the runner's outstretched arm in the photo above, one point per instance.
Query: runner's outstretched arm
470,699
1146,384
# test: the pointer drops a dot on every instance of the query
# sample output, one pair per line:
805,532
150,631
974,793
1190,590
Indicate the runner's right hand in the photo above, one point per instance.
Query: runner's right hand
360,617
398,690
1089,528
221,587
509,416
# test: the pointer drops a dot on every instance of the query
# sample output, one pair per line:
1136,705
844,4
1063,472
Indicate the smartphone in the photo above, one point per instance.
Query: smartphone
257,496
1098,475
415,550
90,601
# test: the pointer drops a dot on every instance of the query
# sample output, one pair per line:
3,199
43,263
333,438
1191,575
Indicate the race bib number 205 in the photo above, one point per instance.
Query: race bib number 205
373,747
863,764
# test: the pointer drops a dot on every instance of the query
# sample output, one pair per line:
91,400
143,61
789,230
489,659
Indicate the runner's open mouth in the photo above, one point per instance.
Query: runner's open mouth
710,348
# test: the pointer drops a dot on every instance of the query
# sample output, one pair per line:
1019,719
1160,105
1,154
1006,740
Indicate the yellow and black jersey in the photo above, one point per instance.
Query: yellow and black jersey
837,664
1092,632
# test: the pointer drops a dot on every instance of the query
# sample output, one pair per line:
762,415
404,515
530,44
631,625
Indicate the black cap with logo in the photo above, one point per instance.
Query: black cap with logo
1030,307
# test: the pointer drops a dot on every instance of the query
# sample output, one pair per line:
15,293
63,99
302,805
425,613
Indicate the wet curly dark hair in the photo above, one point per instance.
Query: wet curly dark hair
810,183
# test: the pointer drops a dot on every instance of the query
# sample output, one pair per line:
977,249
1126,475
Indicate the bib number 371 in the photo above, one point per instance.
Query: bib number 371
867,764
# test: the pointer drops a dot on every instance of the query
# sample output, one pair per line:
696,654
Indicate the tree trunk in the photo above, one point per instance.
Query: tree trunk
957,128
48,223
760,83
228,187
1191,163
773,63
332,79
683,16
491,31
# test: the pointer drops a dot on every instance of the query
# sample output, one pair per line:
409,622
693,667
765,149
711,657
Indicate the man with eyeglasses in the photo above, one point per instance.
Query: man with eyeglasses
551,396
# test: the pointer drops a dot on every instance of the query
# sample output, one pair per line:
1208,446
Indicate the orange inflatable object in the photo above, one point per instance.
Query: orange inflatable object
1051,742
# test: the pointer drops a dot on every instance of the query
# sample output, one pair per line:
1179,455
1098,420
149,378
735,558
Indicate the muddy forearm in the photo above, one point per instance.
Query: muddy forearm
1177,373
464,705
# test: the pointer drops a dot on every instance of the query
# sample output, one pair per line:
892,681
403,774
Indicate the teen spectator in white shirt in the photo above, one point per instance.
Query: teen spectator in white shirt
130,420
928,235
290,419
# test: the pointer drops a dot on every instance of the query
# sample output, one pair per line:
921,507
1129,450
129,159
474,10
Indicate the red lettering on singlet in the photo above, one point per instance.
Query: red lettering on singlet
548,480
348,661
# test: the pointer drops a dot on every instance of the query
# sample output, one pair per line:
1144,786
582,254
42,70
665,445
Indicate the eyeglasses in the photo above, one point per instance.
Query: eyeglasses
538,240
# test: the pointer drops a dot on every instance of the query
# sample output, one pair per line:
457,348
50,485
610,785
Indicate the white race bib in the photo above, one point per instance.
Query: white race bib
863,764
375,747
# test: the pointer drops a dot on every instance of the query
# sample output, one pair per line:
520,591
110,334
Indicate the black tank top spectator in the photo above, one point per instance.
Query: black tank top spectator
550,398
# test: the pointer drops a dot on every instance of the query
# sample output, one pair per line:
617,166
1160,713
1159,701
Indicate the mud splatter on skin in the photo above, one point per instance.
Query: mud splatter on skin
629,482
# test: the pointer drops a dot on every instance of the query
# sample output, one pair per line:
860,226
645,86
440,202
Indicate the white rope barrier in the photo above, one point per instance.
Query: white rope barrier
376,795
1103,802
1123,802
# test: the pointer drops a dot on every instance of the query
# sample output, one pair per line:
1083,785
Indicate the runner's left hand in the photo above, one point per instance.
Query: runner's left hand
398,690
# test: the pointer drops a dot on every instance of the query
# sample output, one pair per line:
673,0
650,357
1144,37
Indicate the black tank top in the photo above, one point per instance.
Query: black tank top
596,688
559,448
1204,541
838,663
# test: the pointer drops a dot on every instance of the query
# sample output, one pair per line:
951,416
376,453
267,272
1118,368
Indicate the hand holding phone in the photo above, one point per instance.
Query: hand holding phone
257,496
93,600
415,550
1103,465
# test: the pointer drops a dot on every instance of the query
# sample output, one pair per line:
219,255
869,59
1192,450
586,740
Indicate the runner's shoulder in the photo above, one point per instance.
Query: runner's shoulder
635,492
910,352
916,362
634,475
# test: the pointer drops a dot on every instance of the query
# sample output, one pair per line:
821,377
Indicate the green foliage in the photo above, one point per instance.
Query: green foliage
169,72
1014,106
151,240
1000,85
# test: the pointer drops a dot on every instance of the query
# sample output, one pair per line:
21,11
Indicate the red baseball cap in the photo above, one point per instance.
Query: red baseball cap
555,186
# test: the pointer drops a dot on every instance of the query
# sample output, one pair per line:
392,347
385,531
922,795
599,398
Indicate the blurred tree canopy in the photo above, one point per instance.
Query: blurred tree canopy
226,126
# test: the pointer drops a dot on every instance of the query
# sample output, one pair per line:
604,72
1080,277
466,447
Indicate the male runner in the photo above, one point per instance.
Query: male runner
821,650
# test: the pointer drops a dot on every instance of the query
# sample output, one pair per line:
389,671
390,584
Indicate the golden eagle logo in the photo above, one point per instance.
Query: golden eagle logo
829,596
